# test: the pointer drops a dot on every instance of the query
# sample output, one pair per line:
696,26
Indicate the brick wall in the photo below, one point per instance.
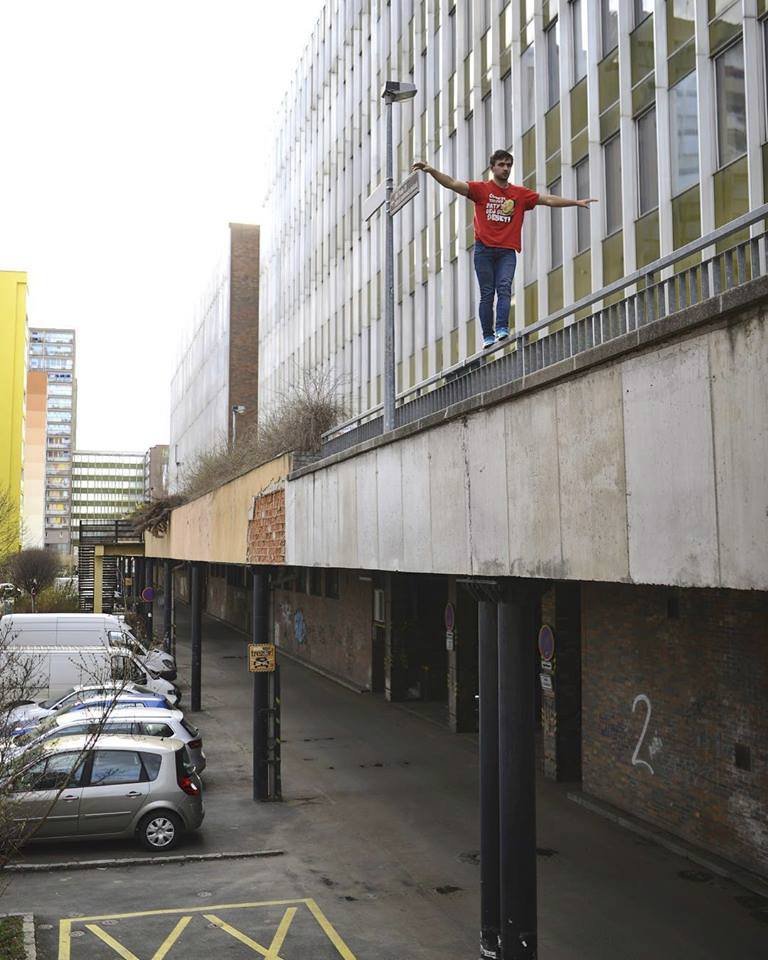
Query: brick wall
266,531
333,634
698,662
244,325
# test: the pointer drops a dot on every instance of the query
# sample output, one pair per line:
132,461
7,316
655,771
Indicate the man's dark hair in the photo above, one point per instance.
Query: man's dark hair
500,155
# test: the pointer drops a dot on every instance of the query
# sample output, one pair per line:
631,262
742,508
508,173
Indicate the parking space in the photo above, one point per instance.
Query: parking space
264,928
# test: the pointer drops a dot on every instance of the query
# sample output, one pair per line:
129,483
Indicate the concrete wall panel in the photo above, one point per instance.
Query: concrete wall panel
389,478
347,514
670,466
448,496
367,512
593,501
533,489
487,470
417,507
739,361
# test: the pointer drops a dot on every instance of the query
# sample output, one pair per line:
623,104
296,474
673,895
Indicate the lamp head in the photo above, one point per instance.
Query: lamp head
395,90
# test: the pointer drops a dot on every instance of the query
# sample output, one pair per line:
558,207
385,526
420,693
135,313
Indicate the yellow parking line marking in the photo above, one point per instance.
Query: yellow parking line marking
119,949
234,932
282,930
167,910
328,930
172,937
65,943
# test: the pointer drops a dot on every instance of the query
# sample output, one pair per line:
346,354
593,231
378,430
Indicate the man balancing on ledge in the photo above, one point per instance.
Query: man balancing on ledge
500,207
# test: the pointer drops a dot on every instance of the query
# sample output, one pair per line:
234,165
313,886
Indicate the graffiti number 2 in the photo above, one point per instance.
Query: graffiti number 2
636,761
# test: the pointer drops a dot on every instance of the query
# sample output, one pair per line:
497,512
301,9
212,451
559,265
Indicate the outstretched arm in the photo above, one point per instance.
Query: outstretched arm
458,186
550,200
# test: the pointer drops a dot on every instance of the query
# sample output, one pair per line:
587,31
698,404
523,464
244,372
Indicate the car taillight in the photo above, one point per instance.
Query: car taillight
194,744
189,786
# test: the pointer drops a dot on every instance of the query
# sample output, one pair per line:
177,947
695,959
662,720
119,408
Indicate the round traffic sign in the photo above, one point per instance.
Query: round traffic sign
546,642
148,594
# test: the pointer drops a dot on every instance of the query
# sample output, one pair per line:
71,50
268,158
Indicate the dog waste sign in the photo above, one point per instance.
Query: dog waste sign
261,657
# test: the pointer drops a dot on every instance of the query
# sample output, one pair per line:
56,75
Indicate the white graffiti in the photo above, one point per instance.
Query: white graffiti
636,761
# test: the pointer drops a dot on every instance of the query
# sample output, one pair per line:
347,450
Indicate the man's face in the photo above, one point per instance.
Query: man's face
501,169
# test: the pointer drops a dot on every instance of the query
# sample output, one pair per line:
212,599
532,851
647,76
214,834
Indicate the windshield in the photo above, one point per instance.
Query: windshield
48,724
54,700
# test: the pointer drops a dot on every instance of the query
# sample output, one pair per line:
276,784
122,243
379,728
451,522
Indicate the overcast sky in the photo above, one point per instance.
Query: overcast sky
133,133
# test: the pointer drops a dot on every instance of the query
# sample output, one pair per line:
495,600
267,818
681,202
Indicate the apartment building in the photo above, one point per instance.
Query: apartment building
106,485
657,109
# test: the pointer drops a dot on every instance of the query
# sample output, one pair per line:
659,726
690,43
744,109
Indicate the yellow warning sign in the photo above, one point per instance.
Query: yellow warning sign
157,934
261,657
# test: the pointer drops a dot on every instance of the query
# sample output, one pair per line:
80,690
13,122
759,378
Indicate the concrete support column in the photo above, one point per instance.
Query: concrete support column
260,634
560,632
167,604
489,778
196,631
396,641
149,607
517,776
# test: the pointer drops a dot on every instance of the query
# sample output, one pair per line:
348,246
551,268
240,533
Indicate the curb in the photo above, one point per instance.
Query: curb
28,921
136,861
717,865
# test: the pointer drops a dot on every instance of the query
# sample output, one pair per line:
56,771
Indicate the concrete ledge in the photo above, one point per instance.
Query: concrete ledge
30,948
136,861
717,865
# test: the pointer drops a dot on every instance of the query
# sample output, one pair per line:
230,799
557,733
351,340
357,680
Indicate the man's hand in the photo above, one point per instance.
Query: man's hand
586,203
422,165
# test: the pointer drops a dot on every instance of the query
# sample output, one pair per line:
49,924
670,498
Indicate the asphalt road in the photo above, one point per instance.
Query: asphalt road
379,835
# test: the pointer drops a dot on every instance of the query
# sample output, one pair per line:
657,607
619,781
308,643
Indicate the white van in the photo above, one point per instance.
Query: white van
54,668
82,630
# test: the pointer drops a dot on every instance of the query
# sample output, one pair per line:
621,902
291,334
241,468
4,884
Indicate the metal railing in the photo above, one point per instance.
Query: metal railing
657,290
108,531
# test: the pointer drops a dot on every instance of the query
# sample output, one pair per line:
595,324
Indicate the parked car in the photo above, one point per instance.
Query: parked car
95,696
141,787
128,719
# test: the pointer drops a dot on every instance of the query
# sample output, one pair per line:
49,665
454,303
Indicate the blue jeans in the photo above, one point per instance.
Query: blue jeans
495,269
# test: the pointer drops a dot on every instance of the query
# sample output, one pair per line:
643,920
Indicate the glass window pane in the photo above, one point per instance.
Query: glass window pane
582,214
528,105
115,766
553,64
488,123
642,9
506,91
579,27
684,134
612,162
647,163
609,16
731,104
555,228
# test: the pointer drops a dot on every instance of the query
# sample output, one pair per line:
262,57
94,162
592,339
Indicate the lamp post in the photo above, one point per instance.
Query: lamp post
236,408
393,91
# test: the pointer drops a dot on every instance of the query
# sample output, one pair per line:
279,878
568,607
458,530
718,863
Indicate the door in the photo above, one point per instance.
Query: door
48,803
115,791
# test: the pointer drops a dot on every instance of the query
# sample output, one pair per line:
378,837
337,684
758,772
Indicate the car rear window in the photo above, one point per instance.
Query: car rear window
151,764
184,765
157,729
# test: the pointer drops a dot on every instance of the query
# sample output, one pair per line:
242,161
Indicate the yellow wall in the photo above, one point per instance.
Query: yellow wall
214,528
13,368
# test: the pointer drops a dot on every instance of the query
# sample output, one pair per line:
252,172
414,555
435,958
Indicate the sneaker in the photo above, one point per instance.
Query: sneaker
502,333
488,341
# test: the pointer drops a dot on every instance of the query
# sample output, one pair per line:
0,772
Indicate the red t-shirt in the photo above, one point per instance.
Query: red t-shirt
492,227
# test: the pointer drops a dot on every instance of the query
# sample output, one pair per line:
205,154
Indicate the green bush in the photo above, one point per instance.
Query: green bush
50,600
12,938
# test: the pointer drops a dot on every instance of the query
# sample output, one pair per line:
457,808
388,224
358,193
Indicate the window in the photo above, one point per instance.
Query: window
553,64
612,164
116,766
731,104
506,95
647,162
684,134
488,124
555,228
55,773
643,9
609,22
155,730
579,37
528,105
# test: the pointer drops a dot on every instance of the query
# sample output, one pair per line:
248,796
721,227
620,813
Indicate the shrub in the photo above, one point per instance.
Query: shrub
50,600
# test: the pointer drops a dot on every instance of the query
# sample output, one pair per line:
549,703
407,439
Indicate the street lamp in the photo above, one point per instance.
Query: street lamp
236,408
393,91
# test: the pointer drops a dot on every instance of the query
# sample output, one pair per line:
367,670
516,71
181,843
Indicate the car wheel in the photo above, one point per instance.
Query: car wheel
160,830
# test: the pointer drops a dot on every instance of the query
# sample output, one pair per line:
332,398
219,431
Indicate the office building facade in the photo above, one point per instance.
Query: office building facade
656,109
218,362
13,355
156,472
52,365
106,485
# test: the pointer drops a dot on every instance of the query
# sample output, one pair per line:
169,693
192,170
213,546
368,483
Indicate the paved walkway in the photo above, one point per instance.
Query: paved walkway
379,835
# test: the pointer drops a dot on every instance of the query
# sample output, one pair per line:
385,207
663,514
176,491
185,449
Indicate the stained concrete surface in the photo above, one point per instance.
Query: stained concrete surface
380,828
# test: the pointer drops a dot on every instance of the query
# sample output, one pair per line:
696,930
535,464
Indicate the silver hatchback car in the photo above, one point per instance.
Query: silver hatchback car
123,786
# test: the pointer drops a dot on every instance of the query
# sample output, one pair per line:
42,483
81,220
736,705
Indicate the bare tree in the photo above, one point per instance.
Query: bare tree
9,525
32,570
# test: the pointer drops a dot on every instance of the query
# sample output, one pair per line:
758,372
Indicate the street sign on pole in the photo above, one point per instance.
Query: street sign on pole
148,594
404,193
375,201
261,657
